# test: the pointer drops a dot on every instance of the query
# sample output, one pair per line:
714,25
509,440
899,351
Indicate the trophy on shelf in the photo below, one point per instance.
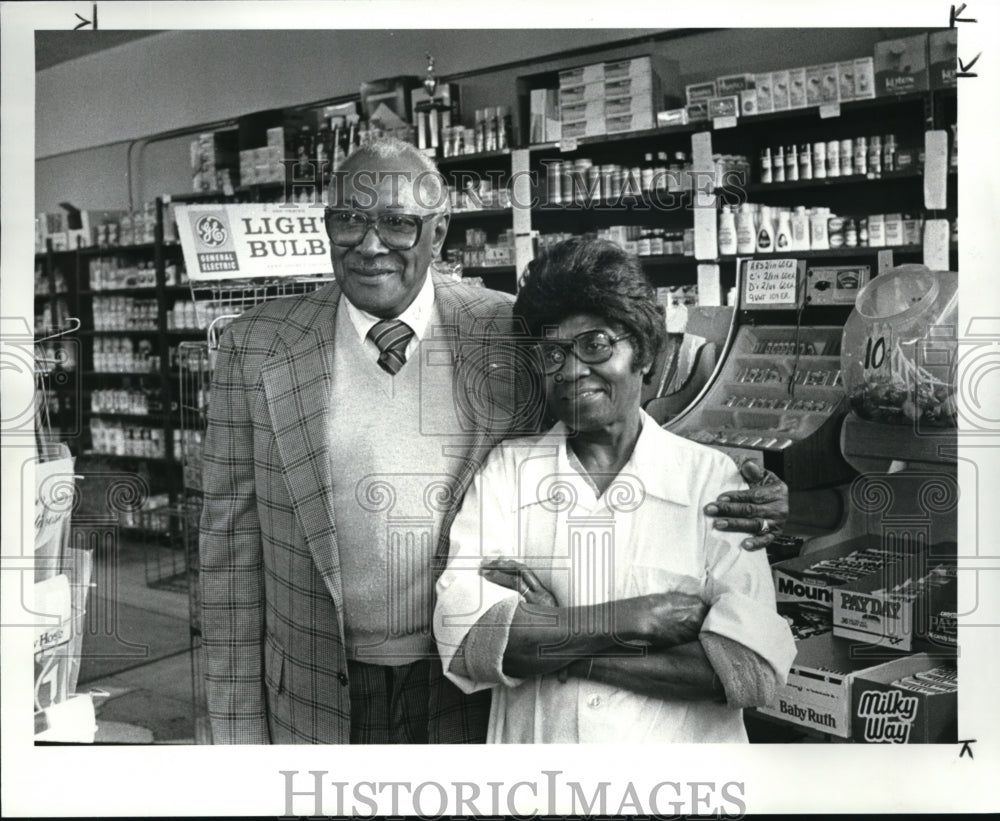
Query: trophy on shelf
434,105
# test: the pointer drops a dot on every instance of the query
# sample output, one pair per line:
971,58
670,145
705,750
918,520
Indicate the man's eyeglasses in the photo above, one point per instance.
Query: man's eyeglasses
398,232
590,347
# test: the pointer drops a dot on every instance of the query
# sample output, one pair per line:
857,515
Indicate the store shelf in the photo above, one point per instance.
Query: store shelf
446,163
121,457
108,250
119,332
254,190
156,416
835,182
866,252
186,333
482,213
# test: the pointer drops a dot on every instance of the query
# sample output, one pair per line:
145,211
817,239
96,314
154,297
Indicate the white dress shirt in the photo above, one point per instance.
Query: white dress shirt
645,534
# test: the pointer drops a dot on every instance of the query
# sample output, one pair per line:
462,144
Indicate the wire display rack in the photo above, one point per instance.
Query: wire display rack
217,303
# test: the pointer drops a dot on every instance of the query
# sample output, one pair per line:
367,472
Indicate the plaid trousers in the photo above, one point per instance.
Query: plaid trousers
389,704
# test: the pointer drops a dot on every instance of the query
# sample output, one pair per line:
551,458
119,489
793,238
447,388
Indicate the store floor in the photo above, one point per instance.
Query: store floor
136,658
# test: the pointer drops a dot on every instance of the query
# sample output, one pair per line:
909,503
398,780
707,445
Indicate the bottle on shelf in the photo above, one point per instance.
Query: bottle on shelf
746,239
783,232
778,165
805,162
818,238
800,229
791,163
765,231
727,232
766,164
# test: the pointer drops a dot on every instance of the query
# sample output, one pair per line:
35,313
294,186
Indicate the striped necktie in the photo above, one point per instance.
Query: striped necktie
391,336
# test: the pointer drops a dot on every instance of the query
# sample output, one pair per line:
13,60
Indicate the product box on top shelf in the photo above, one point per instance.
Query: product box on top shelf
763,93
864,78
583,93
700,91
724,107
821,84
780,91
904,607
581,75
697,112
901,65
942,54
797,95
911,700
733,84
254,129
545,124
817,693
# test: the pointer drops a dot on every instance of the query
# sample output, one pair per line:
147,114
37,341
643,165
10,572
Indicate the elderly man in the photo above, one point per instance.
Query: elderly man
343,429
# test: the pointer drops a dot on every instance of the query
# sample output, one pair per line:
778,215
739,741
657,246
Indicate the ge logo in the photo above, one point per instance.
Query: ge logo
211,231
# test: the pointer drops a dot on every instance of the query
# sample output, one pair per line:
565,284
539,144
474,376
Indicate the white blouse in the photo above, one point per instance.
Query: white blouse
646,533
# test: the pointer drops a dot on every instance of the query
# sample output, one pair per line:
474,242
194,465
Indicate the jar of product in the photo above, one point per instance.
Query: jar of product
805,162
833,158
850,234
863,232
778,169
766,175
846,157
647,174
791,164
643,246
593,190
875,157
607,193
889,153
819,160
861,156
554,176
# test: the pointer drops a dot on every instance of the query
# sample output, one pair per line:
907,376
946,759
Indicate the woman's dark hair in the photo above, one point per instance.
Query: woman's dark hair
597,277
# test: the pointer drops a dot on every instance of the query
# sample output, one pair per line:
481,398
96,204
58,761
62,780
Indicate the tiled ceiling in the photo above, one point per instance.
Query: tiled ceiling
54,47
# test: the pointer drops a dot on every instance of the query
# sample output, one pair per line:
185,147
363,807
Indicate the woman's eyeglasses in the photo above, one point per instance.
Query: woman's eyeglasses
398,232
590,347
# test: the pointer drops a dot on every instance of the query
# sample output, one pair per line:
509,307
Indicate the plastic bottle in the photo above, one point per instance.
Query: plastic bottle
800,229
746,241
819,240
727,232
778,169
766,176
783,233
791,163
765,232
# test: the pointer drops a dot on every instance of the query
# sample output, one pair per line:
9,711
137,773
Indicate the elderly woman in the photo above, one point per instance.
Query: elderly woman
584,584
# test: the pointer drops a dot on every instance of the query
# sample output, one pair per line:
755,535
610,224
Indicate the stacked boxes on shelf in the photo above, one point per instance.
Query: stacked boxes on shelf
614,97
215,161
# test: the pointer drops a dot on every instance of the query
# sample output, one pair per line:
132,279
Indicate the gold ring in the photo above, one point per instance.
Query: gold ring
765,527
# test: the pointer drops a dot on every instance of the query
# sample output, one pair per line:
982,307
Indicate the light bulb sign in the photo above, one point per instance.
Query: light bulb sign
239,241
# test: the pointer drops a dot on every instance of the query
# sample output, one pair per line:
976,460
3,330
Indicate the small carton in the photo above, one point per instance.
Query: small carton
779,91
884,610
724,106
864,78
942,55
576,112
629,87
817,693
748,102
627,105
636,121
700,91
886,711
697,112
901,65
593,73
797,95
733,84
674,116
845,80
764,85
821,84
584,92
795,580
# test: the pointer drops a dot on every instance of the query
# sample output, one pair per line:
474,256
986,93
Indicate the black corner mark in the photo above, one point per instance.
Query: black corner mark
85,22
956,19
964,69
966,748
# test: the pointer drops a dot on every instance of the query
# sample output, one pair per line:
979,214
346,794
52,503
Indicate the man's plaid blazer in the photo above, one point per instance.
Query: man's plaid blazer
272,601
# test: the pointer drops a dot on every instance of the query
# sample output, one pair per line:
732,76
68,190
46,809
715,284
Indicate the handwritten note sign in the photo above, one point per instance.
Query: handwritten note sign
771,283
